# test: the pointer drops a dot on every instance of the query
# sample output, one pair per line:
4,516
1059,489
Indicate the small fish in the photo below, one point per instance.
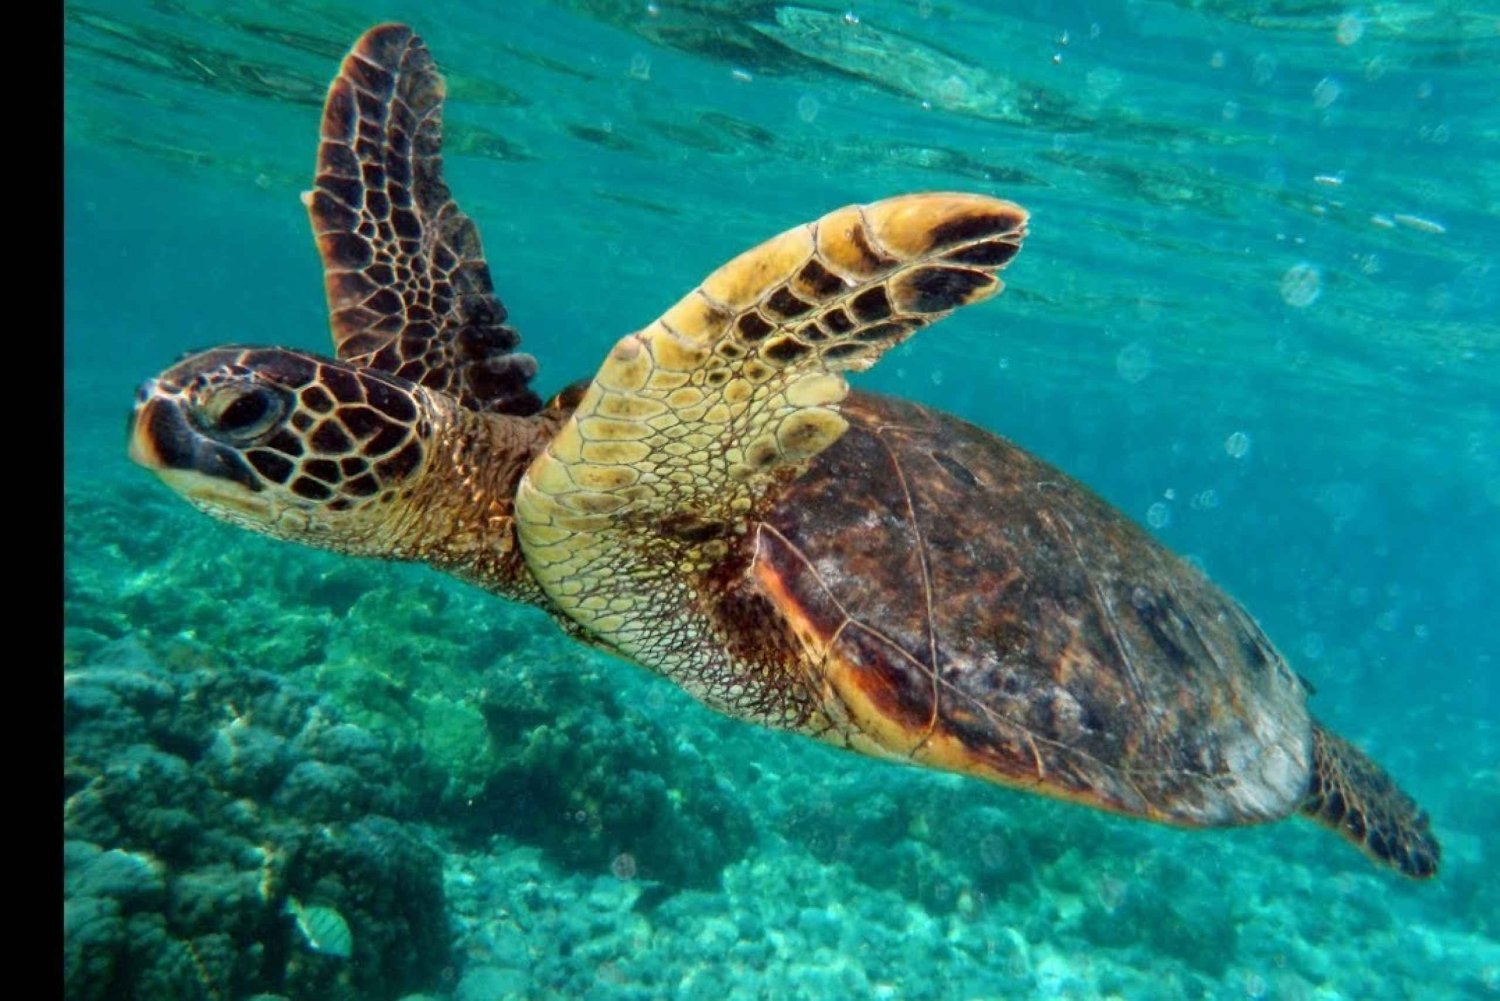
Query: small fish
324,928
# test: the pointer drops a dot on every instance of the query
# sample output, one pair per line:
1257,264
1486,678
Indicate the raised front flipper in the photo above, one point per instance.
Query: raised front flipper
693,421
409,291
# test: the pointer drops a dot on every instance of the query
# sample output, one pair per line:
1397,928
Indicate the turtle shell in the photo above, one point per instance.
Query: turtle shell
965,606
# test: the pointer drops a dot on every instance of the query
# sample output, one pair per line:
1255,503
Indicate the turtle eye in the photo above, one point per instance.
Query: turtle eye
239,414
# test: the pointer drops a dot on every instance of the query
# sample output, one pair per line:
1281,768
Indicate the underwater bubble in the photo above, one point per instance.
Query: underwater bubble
1237,445
1159,515
1351,28
623,866
1206,500
1110,892
1218,60
1326,92
1301,285
1134,362
640,66
1313,646
1264,69
808,108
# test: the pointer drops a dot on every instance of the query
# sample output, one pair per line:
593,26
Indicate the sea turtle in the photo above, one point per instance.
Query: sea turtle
718,506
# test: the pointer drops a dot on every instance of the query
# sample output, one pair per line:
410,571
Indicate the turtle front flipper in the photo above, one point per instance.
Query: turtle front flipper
1355,797
409,291
692,421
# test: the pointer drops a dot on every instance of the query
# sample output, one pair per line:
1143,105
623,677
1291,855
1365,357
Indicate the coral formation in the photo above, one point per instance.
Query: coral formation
196,801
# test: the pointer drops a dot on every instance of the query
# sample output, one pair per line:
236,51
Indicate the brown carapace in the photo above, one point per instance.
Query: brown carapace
718,506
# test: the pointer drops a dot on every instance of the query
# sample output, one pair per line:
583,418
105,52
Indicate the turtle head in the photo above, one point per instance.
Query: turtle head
289,444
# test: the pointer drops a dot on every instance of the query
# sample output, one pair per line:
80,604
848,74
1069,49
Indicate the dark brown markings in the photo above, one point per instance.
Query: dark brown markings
316,398
786,305
270,465
845,350
353,465
753,326
330,437
322,469
956,469
361,421
816,281
872,305
1164,623
785,349
871,261
692,529
286,442
935,290
390,401
883,332
899,687
286,367
344,385
311,489
965,229
400,465
993,254
362,486
837,321
386,439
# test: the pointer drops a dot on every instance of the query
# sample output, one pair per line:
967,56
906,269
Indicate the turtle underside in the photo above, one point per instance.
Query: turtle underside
964,605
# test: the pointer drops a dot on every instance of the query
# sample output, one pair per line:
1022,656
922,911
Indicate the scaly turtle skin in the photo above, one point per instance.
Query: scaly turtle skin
717,506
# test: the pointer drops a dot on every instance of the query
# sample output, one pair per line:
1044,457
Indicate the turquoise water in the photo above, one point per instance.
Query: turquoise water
1256,311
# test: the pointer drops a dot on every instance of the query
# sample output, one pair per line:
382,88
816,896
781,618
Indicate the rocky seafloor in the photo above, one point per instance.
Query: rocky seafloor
497,813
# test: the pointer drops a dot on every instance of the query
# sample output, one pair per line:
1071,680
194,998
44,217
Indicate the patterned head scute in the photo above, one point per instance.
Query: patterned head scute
409,291
295,431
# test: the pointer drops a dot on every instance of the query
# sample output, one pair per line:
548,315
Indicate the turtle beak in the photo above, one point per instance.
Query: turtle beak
163,440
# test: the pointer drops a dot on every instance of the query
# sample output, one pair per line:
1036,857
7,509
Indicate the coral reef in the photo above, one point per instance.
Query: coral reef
197,801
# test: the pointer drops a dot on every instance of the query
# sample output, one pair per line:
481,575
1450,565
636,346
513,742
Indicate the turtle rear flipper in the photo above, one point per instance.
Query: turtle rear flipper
1357,798
693,420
